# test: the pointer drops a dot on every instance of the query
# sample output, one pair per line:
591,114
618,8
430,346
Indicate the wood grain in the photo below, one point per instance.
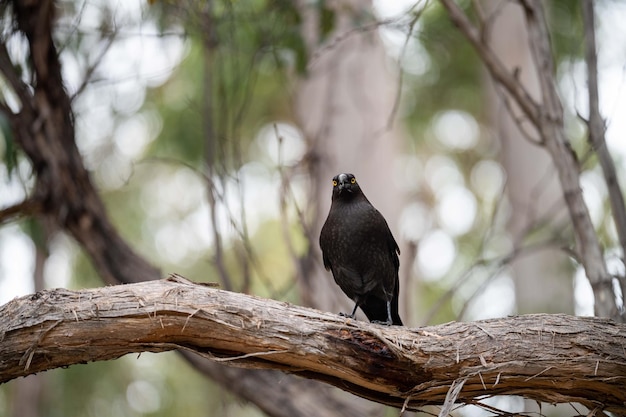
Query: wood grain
552,358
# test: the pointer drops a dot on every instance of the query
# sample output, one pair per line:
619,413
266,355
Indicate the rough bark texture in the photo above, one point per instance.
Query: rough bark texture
552,358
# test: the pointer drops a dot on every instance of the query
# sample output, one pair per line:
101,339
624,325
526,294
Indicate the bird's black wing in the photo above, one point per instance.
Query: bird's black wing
386,264
327,264
375,307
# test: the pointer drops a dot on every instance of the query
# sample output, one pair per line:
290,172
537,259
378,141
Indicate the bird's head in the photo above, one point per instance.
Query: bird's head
345,185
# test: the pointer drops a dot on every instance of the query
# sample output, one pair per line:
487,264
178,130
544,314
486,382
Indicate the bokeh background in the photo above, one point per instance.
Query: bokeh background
213,128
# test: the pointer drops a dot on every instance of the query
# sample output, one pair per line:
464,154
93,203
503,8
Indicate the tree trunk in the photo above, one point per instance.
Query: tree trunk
343,105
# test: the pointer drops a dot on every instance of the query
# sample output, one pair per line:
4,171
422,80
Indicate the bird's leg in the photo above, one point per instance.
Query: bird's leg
353,314
389,319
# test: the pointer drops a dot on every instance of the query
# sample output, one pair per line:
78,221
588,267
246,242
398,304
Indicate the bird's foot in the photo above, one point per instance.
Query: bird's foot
350,316
384,323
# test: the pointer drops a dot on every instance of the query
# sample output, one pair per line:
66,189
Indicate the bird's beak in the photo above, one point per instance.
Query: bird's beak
343,182
344,185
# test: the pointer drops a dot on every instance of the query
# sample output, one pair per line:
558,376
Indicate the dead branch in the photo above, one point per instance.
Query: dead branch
549,358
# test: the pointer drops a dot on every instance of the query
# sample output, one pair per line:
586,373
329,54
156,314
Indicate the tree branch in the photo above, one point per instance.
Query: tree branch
28,207
497,70
552,131
44,130
551,358
278,394
547,118
596,127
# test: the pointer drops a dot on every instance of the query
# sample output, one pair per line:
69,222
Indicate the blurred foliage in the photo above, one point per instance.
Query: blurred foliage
241,62
8,150
566,25
135,385
452,77
233,80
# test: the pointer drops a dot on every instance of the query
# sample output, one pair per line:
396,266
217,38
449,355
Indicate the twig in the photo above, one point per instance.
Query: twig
537,374
406,403
493,63
92,68
486,332
334,42
518,119
247,355
396,101
24,208
481,378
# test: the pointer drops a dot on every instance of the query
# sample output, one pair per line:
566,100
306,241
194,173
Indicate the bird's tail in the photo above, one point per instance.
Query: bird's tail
376,310
395,316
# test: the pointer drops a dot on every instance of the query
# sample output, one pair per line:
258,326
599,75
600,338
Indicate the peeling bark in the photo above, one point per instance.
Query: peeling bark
551,358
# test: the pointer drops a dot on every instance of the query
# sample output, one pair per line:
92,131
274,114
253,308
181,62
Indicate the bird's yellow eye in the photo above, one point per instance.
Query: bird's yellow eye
353,180
334,183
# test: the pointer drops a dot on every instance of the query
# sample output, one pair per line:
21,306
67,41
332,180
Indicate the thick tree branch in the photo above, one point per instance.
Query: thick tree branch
551,358
44,130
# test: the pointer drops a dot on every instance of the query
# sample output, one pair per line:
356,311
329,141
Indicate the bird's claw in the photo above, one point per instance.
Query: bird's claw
384,323
350,316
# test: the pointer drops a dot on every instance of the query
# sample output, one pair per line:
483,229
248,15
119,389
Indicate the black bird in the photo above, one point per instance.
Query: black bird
359,249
